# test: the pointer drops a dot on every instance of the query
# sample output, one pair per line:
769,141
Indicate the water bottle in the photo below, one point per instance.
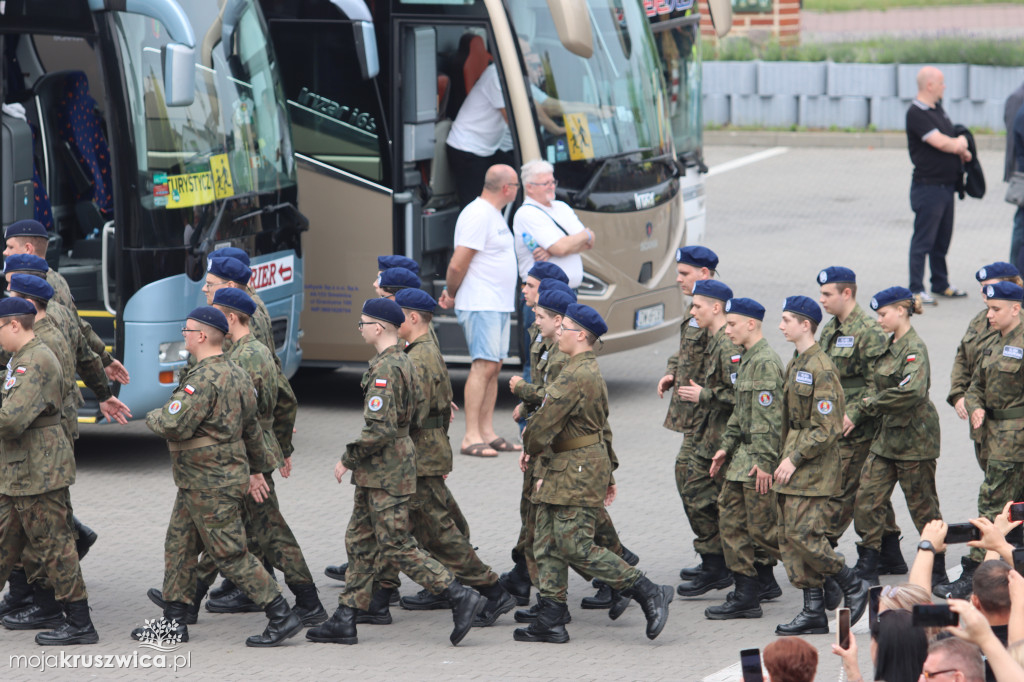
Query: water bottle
530,242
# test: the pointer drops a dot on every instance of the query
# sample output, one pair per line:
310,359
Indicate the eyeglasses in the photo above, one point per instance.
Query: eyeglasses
361,323
512,184
927,675
183,330
4,325
549,183
567,329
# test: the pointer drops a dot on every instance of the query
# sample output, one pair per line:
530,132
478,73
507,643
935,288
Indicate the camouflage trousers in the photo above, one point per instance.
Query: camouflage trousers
877,481
41,523
30,561
700,500
1004,481
686,449
981,456
211,521
748,524
268,535
841,506
806,554
380,534
565,537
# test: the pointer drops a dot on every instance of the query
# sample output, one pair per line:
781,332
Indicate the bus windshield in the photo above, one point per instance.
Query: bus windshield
677,38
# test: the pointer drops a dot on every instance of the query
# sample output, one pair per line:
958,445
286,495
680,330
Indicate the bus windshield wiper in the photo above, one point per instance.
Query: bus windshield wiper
580,198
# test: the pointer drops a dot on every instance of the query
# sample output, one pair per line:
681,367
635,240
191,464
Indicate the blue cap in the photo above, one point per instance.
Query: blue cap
550,284
697,256
207,314
229,297
25,262
889,296
556,301
997,270
32,286
230,269
399,278
545,270
836,273
232,252
712,288
747,307
587,317
12,305
25,228
385,310
416,299
388,262
1005,291
801,305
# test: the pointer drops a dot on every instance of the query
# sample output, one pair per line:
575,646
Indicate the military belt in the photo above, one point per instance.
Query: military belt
433,423
49,420
193,443
800,423
574,443
402,432
853,382
1012,413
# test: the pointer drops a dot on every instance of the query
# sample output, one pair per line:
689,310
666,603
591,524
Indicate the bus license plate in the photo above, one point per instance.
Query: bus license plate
650,316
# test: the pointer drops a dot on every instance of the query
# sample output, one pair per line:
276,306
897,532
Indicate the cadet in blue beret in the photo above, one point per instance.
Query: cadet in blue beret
1003,291
11,306
555,301
548,270
747,307
555,285
540,271
232,252
997,270
23,262
588,318
230,269
384,310
418,300
892,295
394,280
31,287
236,299
388,262
210,316
802,305
698,257
835,274
712,288
26,228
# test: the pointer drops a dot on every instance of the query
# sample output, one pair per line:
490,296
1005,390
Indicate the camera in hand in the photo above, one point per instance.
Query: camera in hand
962,532
933,616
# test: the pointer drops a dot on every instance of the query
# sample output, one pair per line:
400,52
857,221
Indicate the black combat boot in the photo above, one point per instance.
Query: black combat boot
307,604
743,602
629,557
891,561
530,615
833,594
498,602
44,614
960,588
379,611
338,573
549,625
715,576
19,593
225,588
235,601
424,600
192,616
601,600
466,603
86,538
517,581
939,575
691,572
283,623
170,627
340,629
768,587
812,620
867,564
653,600
855,592
76,629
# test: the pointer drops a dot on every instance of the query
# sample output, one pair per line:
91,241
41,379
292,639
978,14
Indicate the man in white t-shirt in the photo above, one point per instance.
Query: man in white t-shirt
481,285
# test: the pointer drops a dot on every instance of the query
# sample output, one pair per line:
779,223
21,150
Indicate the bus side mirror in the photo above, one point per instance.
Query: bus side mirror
572,21
366,49
177,63
721,16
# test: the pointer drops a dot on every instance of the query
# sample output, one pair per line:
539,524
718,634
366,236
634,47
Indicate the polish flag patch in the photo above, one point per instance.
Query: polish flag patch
189,389
20,370
735,358
380,383
911,358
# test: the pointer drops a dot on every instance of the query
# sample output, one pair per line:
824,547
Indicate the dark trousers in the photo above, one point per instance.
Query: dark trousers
933,230
469,171
1017,239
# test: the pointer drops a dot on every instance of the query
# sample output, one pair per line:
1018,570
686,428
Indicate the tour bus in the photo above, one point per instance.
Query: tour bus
144,135
371,96
676,28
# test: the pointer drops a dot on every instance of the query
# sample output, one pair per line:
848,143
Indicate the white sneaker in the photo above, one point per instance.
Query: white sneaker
925,298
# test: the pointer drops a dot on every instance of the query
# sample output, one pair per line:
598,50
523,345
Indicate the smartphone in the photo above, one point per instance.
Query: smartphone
873,594
1017,511
843,617
1018,560
750,660
1016,536
933,615
962,532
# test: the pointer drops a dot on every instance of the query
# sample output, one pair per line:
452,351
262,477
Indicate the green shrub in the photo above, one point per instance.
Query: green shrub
947,50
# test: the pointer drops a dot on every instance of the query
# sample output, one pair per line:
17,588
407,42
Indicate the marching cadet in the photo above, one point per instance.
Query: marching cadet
571,436
214,436
383,468
37,467
394,280
808,473
693,263
906,444
749,451
393,261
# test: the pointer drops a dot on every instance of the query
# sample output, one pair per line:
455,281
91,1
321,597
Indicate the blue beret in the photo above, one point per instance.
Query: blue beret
697,256
236,299
556,301
385,310
587,317
836,273
30,285
207,314
26,228
232,252
544,270
801,305
550,284
388,262
747,307
25,262
12,305
416,299
1006,291
712,288
399,278
889,296
231,269
996,270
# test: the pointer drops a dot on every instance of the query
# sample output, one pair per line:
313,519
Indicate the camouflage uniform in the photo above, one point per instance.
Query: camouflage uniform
853,346
62,295
571,437
37,465
813,409
747,519
286,407
383,467
682,416
215,439
907,442
85,361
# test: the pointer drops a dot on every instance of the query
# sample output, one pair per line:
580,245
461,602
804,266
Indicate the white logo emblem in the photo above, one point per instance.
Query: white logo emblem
174,407
990,291
823,277
375,403
159,634
982,274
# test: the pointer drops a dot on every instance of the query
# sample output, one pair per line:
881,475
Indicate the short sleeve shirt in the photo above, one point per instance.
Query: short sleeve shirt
931,166
490,281
479,127
539,221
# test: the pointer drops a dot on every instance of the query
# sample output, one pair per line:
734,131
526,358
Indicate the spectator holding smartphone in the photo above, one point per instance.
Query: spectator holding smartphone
898,650
949,654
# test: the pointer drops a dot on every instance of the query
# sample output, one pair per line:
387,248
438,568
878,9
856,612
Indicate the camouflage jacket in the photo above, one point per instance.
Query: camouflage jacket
813,409
687,364
977,338
545,366
215,400
287,407
86,362
717,395
998,388
753,433
383,455
575,408
62,295
35,453
252,356
854,346
47,332
909,425
432,398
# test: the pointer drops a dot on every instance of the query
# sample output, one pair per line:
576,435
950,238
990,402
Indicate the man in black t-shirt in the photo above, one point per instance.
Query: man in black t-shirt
938,159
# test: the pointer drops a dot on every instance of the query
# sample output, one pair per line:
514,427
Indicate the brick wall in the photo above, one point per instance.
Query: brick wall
783,23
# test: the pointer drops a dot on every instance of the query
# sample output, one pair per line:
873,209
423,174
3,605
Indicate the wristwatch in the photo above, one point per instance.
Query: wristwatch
925,546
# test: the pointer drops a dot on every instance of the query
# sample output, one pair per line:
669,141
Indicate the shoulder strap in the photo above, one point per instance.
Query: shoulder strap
548,215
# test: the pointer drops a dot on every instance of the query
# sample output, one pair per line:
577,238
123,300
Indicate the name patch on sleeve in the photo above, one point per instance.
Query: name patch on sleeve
906,380
1009,352
844,342
732,377
805,378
